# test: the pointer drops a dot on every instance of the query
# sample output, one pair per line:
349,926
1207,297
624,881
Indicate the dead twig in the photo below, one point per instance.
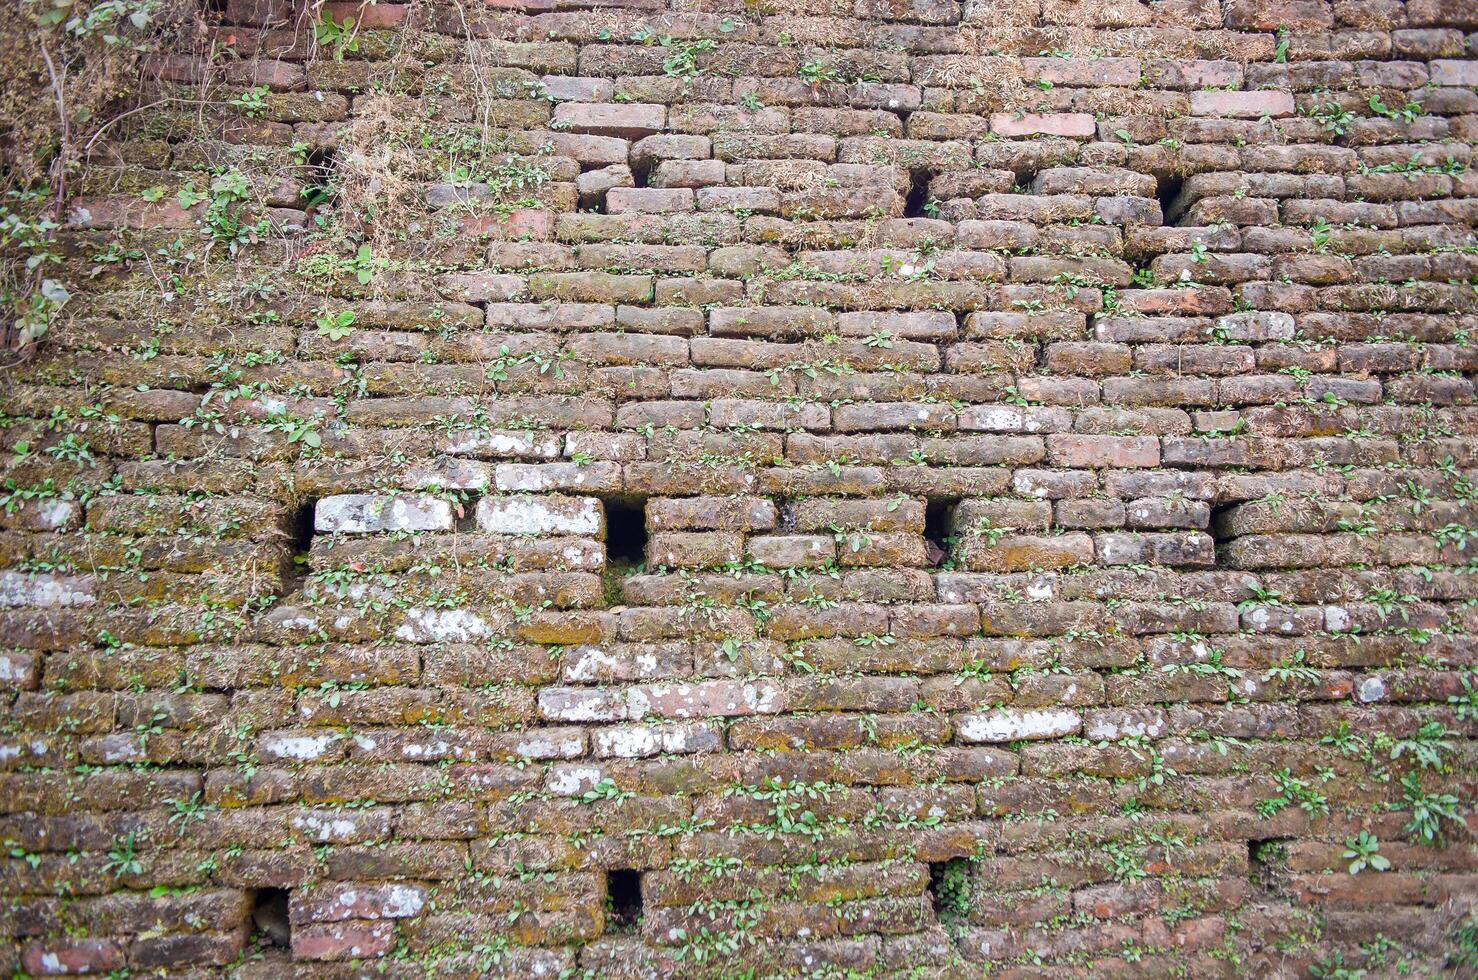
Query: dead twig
59,165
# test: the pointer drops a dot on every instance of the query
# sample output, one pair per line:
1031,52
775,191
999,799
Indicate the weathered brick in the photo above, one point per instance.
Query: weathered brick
345,941
373,513
1009,725
1102,451
335,903
1246,105
648,200
74,956
631,121
540,515
1050,124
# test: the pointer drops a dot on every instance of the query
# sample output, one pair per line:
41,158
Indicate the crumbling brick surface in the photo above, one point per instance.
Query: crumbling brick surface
834,487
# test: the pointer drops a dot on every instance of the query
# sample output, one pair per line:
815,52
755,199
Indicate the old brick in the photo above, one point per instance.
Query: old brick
1052,124
540,515
372,513
1249,105
1008,725
630,121
1101,451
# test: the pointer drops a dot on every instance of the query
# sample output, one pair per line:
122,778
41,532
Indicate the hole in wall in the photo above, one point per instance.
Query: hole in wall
1220,528
1167,192
270,922
918,204
939,518
950,888
1220,525
319,189
626,543
1266,858
300,532
626,531
641,171
623,900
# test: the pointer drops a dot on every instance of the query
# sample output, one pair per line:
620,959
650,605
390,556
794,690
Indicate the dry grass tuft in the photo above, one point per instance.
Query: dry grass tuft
1097,13
997,81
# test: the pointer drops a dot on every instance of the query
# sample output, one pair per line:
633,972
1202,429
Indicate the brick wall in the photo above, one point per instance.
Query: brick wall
844,488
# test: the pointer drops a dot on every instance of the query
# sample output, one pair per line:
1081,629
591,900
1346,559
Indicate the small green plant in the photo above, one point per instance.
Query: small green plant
1425,746
252,102
335,326
952,887
1465,705
1292,668
1332,967
122,857
1407,113
1319,235
1428,810
362,265
606,789
1333,117
1128,865
1364,852
27,252
339,37
21,854
681,60
818,73
224,219
1293,791
296,429
1457,535
1462,953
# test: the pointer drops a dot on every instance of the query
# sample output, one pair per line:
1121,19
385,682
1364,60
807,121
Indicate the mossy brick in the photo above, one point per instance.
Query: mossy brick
711,513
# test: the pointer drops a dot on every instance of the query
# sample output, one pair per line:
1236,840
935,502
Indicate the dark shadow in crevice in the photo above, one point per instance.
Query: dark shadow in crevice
270,923
1267,860
1220,527
626,543
318,191
623,900
939,518
917,203
1167,192
299,530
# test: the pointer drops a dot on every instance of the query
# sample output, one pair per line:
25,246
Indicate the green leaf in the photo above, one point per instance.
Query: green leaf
188,196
